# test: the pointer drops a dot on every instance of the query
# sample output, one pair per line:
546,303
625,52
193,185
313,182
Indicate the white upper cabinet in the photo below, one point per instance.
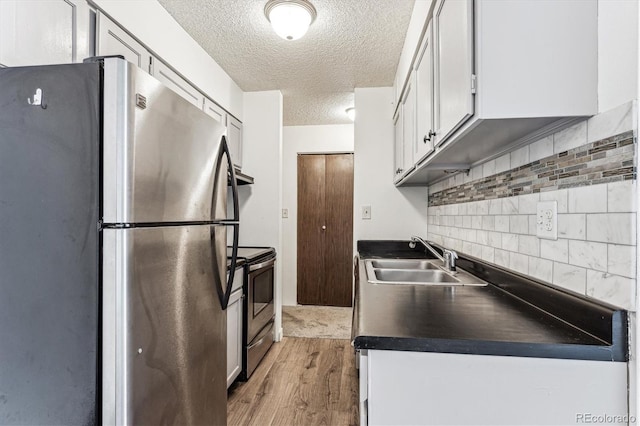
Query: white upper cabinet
215,111
453,25
409,125
505,73
113,40
40,32
398,158
175,82
424,98
234,139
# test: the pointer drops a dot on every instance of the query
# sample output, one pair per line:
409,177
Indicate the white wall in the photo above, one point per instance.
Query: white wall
150,23
262,158
617,53
302,139
396,213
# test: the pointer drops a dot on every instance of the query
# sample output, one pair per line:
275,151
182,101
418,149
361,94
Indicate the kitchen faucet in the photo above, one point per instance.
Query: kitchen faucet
449,258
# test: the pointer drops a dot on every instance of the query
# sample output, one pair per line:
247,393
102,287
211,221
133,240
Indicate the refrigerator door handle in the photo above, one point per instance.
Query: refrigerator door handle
231,178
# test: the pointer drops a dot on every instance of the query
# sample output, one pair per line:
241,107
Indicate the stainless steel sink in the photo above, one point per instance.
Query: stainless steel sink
413,276
405,264
417,272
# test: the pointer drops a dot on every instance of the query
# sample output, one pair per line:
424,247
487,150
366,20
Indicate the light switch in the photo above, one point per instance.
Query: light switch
285,213
547,220
366,212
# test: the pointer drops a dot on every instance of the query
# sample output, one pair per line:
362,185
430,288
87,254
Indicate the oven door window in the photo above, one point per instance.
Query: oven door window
262,290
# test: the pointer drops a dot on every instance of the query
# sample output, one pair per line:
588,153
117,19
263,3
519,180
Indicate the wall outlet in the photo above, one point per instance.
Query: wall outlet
285,213
547,220
366,212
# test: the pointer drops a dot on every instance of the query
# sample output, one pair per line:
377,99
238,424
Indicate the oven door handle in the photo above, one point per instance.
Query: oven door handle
266,264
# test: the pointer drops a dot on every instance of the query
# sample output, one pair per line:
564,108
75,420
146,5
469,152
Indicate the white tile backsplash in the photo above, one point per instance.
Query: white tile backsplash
519,262
488,223
588,254
502,258
541,149
572,226
541,269
612,288
510,242
503,163
510,205
487,254
527,204
620,198
528,244
588,199
555,250
560,196
489,168
495,206
615,121
595,253
502,223
495,239
519,224
570,277
571,137
520,157
622,260
617,228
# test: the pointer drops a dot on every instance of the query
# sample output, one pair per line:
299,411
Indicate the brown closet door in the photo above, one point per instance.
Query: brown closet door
325,229
311,202
338,246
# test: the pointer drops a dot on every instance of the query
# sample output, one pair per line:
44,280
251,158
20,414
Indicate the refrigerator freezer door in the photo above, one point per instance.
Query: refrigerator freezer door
160,152
49,244
164,333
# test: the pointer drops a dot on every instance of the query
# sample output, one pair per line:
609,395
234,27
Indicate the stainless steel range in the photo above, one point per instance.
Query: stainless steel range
259,310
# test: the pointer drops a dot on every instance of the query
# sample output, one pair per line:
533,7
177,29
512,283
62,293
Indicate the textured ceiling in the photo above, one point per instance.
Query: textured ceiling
352,43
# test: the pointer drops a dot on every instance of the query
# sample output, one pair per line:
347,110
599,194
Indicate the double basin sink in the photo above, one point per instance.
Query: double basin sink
416,272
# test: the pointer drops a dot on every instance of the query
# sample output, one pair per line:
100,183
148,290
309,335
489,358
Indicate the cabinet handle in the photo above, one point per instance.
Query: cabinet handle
324,227
429,136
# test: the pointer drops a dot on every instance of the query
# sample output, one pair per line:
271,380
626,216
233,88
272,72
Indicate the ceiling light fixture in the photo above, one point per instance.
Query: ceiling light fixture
351,112
290,19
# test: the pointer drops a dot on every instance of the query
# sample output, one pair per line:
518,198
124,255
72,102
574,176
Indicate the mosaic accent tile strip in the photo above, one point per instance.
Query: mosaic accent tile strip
604,161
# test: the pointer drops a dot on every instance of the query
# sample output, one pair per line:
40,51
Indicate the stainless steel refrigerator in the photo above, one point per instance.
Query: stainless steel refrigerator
113,261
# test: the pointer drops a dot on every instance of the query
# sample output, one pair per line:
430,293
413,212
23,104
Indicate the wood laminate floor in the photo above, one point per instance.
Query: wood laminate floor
301,381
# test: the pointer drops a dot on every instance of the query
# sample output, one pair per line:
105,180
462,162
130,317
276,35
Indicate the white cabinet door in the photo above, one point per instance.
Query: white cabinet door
398,145
424,99
234,336
234,138
215,111
41,32
175,82
409,124
113,40
453,26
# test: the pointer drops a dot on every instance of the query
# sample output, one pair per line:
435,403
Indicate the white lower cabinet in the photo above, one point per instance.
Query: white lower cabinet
424,388
234,329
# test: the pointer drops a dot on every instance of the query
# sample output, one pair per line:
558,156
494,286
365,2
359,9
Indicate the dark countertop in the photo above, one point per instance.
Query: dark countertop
512,316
